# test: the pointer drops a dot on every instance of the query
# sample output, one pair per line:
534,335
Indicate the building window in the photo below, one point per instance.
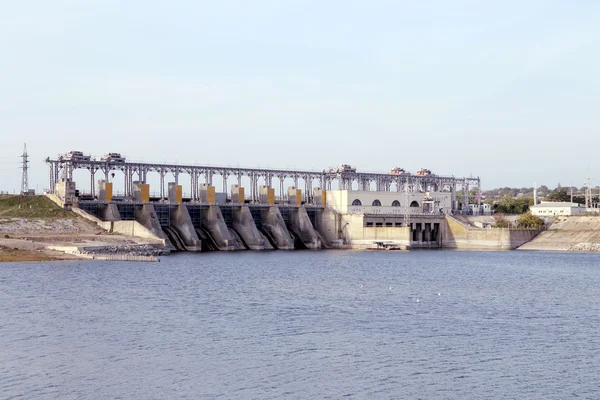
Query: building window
389,224
356,202
376,203
378,224
369,224
395,203
414,204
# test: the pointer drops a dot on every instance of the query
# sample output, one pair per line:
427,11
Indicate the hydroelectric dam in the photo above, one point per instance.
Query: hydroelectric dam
260,208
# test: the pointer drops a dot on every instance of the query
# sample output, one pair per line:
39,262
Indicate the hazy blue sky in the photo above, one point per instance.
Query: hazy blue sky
505,90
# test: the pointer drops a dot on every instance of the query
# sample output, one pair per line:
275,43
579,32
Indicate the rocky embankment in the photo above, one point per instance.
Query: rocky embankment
575,233
132,250
35,229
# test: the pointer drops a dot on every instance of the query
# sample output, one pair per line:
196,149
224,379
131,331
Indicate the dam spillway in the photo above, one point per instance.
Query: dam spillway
196,227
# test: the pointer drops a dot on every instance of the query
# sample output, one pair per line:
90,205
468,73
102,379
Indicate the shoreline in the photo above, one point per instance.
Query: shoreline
8,254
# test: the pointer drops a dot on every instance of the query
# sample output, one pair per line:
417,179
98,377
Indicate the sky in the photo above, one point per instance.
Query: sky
507,91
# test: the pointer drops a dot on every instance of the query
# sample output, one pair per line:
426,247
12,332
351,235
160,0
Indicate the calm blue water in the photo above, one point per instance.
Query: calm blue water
304,325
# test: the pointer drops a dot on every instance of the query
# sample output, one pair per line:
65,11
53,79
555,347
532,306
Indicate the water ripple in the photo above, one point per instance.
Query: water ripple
301,325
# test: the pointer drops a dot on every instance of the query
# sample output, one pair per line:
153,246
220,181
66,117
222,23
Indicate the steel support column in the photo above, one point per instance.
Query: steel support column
162,174
92,181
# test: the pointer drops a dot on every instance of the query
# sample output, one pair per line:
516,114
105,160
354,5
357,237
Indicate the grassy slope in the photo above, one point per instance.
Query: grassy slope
30,207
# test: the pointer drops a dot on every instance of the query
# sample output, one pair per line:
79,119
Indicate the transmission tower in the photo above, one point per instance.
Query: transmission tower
24,180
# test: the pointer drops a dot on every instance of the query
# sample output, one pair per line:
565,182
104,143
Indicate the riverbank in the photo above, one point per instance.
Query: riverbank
35,229
17,254
573,233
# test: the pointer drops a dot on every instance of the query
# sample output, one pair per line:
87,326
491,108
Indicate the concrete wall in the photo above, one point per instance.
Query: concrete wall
457,236
55,199
132,228
65,192
327,225
127,228
348,231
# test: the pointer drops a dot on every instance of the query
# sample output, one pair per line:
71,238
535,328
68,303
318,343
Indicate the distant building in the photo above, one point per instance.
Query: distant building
484,208
551,208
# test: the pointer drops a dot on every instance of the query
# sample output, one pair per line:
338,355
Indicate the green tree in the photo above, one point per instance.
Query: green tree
528,220
511,205
543,190
559,194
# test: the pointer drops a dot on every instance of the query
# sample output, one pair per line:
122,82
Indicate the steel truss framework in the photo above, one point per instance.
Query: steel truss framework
405,182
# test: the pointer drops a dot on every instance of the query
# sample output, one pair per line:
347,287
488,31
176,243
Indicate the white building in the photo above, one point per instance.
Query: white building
551,208
390,203
361,218
481,209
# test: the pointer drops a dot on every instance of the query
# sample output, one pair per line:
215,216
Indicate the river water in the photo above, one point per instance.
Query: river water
304,325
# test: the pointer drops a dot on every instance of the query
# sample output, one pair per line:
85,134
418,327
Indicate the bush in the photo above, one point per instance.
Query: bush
500,221
530,221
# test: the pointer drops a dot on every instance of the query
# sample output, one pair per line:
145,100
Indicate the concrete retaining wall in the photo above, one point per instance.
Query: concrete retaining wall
127,228
574,233
457,236
348,231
